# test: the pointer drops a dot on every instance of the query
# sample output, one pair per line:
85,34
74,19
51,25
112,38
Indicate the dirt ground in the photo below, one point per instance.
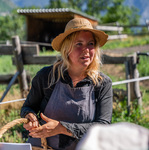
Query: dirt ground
128,50
119,70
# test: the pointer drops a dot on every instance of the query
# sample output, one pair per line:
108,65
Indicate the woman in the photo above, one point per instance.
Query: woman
72,94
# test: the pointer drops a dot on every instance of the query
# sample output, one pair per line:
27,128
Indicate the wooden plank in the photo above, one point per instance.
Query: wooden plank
5,79
109,28
135,85
51,59
121,36
113,60
36,43
39,59
26,49
128,87
6,49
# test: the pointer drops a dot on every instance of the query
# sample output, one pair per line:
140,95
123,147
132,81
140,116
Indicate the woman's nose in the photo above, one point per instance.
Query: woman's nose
86,49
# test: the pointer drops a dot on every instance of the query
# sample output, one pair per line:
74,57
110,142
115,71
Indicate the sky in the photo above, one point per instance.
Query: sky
143,6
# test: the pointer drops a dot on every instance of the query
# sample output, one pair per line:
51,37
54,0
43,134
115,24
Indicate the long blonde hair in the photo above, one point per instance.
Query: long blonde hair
63,64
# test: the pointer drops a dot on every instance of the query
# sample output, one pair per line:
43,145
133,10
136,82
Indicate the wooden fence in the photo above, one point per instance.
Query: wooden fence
117,28
25,54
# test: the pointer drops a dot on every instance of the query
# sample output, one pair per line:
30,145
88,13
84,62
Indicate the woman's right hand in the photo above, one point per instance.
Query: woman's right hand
33,122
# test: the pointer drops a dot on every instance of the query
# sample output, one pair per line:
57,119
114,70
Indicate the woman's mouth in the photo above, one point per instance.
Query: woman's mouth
85,57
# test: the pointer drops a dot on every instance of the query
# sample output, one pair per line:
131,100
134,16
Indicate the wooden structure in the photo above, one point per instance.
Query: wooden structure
117,28
44,24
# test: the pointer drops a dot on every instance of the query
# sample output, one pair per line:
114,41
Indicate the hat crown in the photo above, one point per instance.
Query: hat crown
78,23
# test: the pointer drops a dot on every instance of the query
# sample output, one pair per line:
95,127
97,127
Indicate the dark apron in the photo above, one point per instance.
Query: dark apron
73,105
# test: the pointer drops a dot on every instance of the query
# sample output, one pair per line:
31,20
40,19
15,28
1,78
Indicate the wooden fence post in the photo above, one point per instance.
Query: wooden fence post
128,88
136,87
119,31
19,64
133,74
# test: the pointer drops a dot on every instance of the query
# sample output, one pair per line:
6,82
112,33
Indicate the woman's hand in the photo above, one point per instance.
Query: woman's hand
51,128
33,122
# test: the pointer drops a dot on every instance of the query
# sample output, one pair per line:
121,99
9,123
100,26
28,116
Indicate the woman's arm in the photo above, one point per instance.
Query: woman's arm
38,93
32,103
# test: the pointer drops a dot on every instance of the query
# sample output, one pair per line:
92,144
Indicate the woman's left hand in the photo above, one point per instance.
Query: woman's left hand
51,128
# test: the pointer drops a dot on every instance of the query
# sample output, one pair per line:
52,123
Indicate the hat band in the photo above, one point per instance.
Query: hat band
80,27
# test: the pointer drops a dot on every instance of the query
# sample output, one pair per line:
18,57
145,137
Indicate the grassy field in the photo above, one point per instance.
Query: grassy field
128,42
11,112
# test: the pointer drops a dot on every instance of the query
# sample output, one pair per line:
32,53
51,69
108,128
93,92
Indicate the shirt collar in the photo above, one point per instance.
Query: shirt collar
67,79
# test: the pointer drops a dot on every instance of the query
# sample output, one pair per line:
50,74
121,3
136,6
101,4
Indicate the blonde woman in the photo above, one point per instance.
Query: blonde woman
72,94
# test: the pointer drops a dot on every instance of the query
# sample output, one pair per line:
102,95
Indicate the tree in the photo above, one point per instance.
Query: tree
56,4
12,24
106,11
96,8
118,12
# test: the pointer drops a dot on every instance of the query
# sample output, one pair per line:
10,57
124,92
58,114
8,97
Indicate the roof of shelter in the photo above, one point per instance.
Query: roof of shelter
54,13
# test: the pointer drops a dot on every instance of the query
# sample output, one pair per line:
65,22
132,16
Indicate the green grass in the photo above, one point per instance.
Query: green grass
6,66
143,65
14,134
129,42
120,114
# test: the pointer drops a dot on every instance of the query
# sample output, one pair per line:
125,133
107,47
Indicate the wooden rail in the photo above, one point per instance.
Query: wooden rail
117,28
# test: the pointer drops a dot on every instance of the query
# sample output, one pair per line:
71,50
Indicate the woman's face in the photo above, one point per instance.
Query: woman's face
83,50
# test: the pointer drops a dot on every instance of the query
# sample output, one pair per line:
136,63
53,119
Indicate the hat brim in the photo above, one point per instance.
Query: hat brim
57,41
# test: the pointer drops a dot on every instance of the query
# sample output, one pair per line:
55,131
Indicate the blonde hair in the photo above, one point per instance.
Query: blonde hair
63,64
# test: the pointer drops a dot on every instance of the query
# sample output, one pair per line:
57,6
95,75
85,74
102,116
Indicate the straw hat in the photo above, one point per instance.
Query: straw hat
78,24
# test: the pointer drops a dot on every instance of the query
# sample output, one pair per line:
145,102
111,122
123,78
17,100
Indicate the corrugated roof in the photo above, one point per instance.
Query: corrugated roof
55,10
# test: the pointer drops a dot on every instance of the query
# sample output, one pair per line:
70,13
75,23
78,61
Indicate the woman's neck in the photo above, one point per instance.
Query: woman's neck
76,76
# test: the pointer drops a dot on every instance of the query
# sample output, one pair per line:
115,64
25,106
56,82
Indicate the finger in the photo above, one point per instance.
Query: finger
28,126
44,117
38,129
37,135
31,117
35,124
49,130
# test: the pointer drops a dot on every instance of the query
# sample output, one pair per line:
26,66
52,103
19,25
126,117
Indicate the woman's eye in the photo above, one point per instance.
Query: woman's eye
91,43
79,44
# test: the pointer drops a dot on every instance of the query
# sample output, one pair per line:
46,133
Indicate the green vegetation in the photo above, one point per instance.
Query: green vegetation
12,24
114,10
8,67
136,116
129,42
143,66
13,135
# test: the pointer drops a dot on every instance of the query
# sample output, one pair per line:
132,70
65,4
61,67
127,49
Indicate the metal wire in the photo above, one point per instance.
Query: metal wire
114,83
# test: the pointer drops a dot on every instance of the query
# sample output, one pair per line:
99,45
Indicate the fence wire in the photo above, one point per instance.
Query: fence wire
113,84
